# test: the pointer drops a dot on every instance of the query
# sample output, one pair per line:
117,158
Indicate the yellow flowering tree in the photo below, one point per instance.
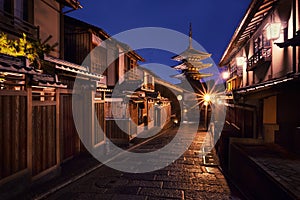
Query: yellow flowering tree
33,50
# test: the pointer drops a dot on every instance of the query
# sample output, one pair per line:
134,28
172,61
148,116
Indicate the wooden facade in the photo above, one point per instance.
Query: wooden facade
29,135
119,63
13,129
69,136
37,128
264,66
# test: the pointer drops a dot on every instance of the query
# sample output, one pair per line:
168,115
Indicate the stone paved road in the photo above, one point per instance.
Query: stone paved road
185,178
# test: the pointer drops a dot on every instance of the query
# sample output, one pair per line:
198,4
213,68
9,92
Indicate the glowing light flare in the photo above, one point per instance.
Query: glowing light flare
207,97
212,94
225,75
179,97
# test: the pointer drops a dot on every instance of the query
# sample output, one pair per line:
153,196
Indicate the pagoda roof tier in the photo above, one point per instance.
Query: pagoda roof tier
200,65
191,54
198,75
179,76
186,65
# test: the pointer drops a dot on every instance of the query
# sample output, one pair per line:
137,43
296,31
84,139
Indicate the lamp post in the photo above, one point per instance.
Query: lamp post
206,99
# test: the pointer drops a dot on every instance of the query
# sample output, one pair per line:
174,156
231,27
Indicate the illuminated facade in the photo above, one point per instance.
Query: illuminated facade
263,61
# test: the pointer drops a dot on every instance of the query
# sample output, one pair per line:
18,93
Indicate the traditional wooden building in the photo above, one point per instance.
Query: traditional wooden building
264,75
144,108
263,94
129,88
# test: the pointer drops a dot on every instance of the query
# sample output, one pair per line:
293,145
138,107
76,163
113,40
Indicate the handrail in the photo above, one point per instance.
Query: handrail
260,55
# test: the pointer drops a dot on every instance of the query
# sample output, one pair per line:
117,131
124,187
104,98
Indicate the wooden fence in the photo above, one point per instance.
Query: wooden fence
13,129
99,122
243,118
70,140
37,132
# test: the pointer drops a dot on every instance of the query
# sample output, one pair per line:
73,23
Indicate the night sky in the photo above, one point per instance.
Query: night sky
213,21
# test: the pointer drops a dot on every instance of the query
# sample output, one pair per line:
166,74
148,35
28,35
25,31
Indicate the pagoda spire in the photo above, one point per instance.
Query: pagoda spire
190,36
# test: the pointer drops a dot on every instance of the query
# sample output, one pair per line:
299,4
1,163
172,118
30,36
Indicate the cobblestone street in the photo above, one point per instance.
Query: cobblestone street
186,178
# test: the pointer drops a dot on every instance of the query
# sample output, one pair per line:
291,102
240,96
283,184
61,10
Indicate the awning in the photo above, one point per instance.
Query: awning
263,85
295,41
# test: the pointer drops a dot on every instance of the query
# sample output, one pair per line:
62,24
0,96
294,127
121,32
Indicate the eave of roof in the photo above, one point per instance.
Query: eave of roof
263,85
191,53
71,67
45,80
256,13
75,4
103,35
128,50
76,22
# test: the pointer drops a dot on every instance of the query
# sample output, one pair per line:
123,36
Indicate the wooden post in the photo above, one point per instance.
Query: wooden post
7,136
93,139
58,141
29,130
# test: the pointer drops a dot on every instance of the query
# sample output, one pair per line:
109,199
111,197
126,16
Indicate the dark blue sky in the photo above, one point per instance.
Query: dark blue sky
213,21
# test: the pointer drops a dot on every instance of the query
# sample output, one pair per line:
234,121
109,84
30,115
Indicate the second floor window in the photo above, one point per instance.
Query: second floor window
6,5
129,63
17,8
98,60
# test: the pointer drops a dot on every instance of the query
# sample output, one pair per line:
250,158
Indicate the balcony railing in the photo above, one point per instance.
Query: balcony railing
17,26
261,57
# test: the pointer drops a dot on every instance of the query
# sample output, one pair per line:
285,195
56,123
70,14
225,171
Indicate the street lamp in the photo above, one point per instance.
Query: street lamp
207,99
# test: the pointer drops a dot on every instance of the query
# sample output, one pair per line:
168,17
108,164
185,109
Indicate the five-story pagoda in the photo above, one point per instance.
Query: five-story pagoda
191,63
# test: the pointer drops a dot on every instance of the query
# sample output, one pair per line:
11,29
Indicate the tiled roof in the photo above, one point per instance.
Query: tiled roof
16,65
20,65
46,80
71,67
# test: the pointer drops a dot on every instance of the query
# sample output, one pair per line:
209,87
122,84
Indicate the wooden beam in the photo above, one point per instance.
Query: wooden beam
266,4
58,134
263,12
29,130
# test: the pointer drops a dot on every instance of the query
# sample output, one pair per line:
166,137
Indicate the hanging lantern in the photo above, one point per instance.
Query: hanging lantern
273,31
240,61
